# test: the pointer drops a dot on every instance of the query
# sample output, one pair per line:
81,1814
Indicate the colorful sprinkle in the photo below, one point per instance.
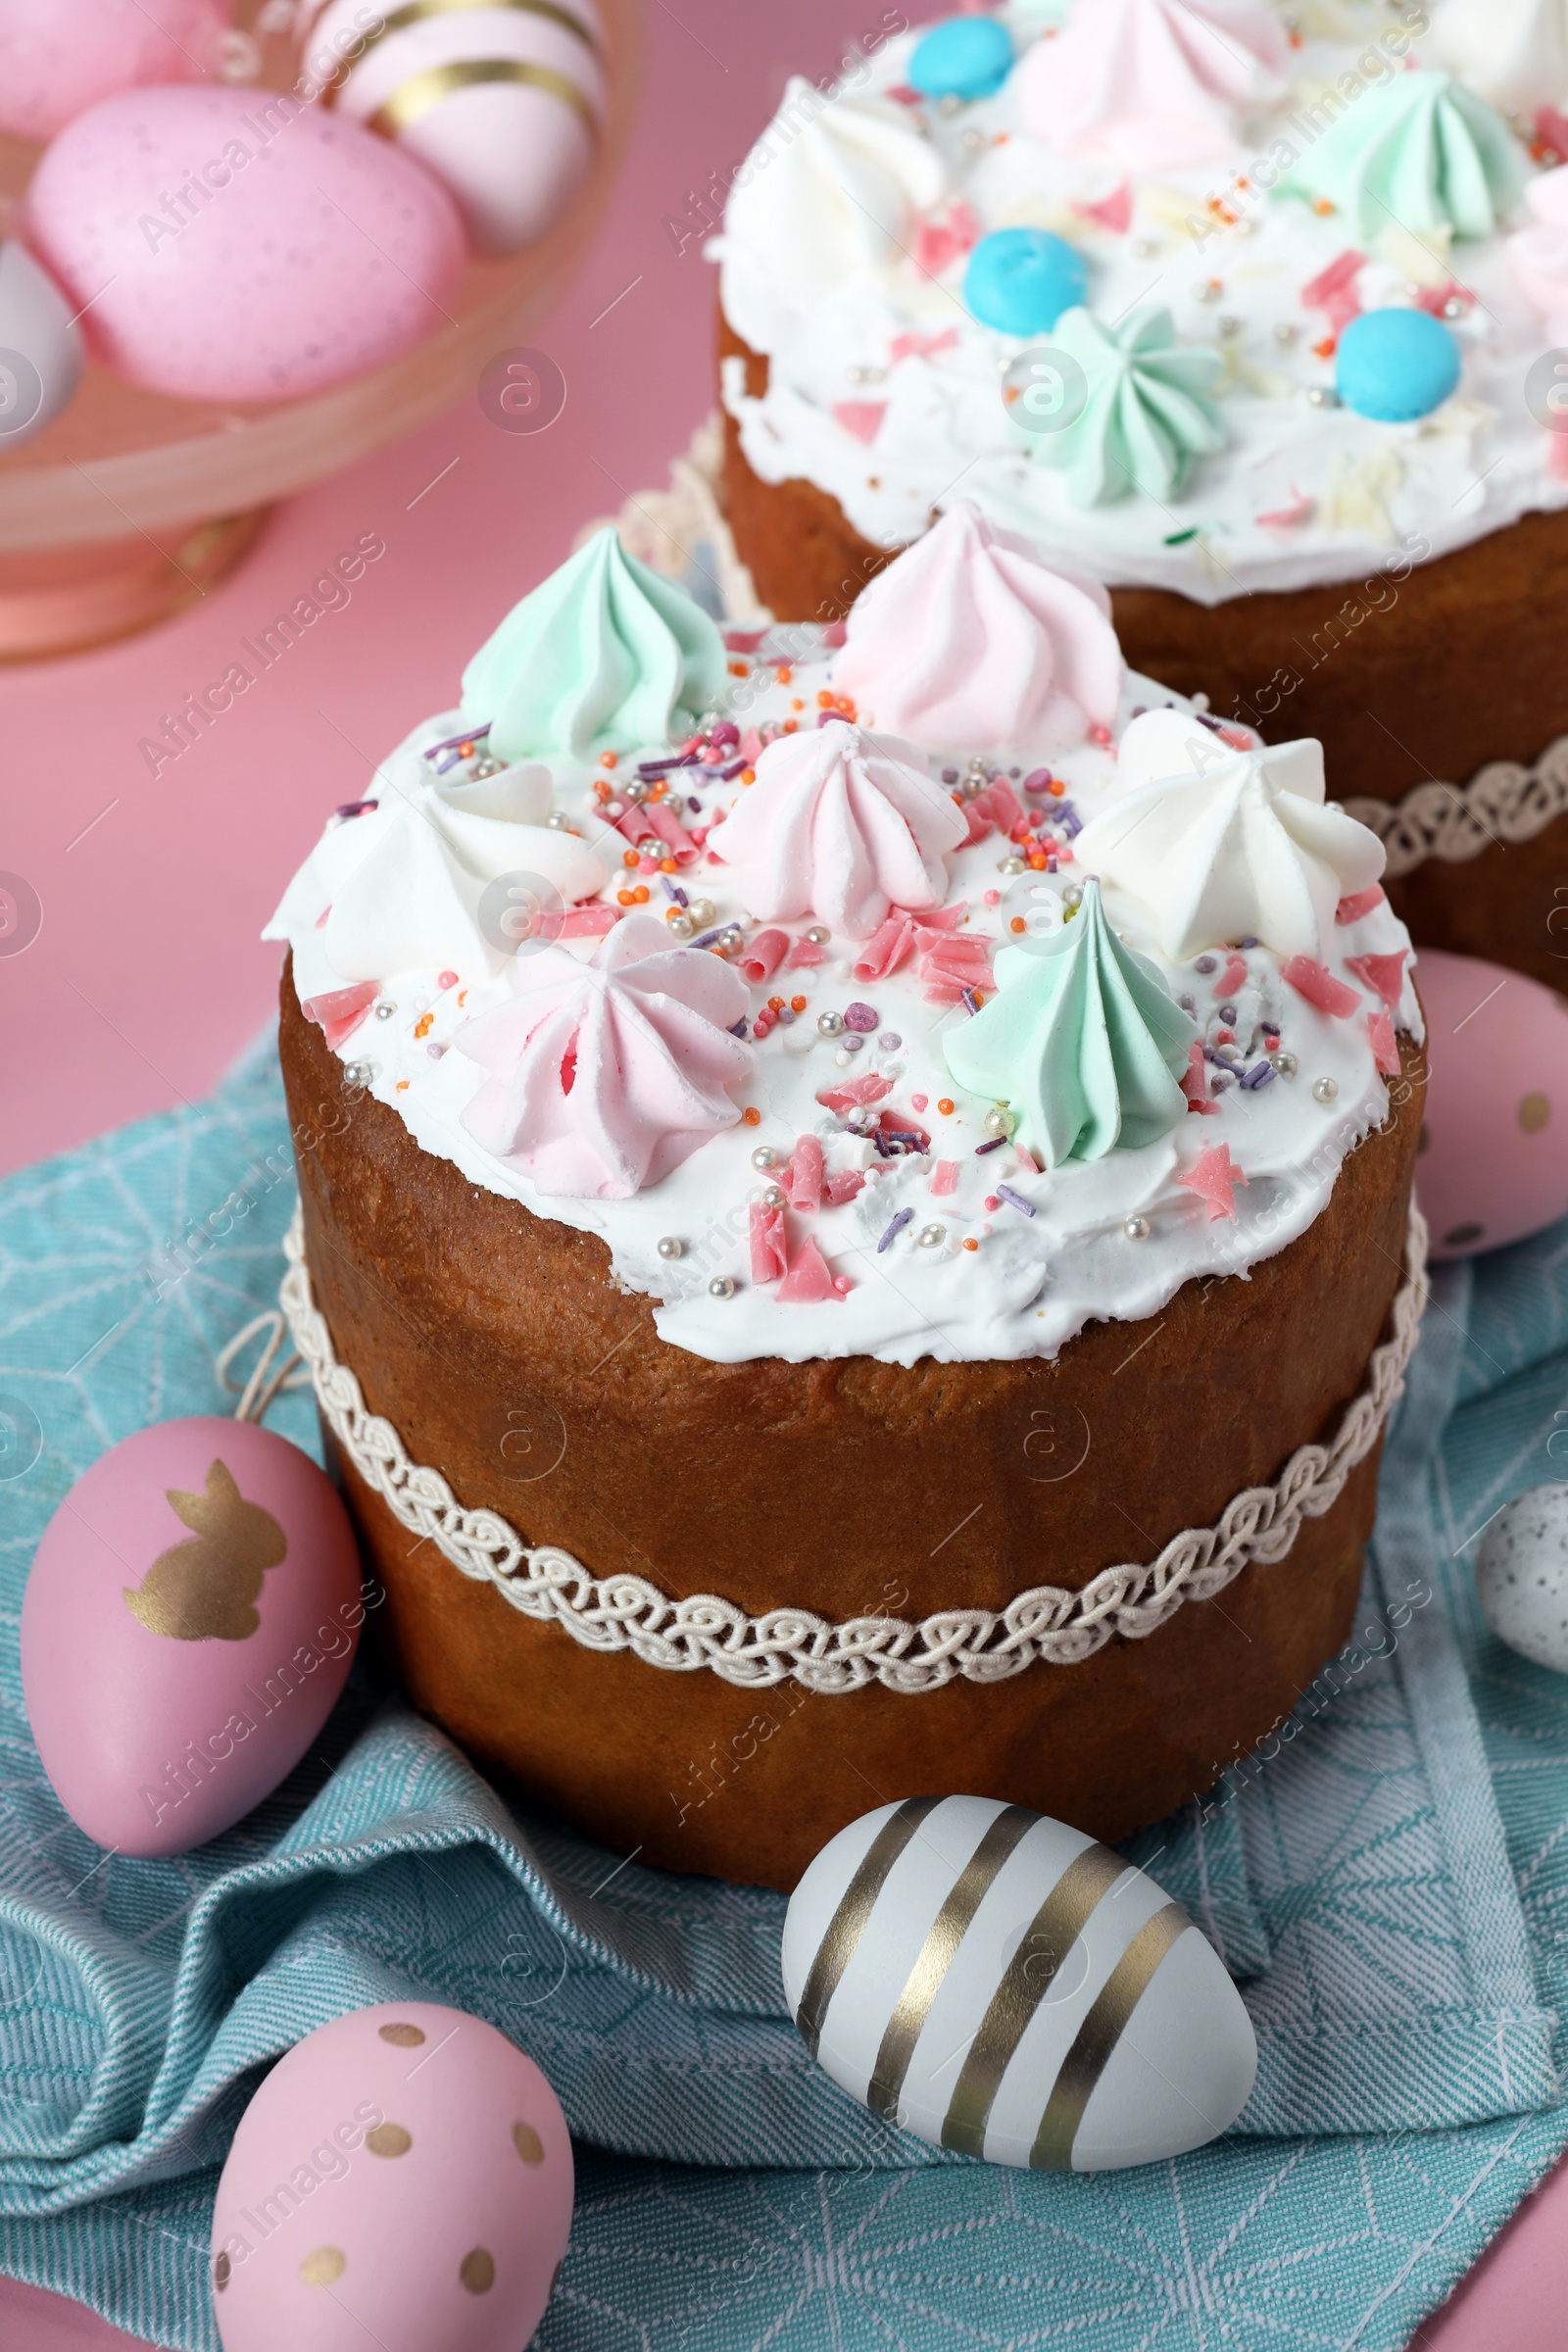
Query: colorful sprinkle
1026,1209
902,1218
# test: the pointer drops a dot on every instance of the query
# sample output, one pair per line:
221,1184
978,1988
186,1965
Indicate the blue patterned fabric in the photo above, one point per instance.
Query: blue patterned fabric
1389,1879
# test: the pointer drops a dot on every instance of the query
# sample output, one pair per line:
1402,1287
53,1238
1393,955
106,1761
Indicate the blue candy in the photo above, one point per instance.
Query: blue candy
967,57
1022,279
1395,364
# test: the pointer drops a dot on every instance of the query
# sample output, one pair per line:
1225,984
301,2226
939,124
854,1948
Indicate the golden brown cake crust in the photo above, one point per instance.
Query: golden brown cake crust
1424,680
839,1487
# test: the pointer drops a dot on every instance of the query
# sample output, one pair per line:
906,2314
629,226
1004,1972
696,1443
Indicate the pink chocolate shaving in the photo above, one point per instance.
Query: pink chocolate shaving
762,957
1383,974
945,1178
1362,902
1385,1049
1320,988
807,1282
805,1180
886,949
769,1258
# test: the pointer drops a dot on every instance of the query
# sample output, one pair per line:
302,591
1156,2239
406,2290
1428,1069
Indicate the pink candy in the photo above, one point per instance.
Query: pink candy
1320,988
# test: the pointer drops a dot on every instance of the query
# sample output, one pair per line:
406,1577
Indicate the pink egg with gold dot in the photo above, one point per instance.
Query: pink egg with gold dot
1494,1160
237,245
59,57
189,1620
403,2179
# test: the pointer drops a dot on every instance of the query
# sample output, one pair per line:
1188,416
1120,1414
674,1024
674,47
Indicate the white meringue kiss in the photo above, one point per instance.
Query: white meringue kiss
1221,845
397,908
968,641
830,190
606,1075
838,825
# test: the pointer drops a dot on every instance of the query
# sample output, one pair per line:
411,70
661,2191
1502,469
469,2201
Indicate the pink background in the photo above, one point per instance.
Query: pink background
148,976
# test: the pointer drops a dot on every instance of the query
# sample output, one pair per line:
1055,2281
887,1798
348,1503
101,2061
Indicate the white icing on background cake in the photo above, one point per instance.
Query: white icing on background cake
1032,1283
1381,494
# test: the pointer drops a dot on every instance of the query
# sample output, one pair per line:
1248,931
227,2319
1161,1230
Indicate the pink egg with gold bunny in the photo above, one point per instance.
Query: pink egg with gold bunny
188,1622
403,2179
1494,1164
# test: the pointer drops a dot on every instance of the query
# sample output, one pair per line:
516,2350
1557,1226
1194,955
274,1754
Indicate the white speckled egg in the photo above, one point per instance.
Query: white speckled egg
1002,1985
1494,1164
403,2179
1522,1576
40,348
501,104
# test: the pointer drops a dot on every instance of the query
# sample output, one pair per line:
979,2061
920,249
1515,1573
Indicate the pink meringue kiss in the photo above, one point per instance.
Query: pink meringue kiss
839,825
1538,256
606,1075
969,641
1147,83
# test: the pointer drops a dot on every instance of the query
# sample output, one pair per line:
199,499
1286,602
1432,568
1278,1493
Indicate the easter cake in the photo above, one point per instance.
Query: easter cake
1254,318
856,1221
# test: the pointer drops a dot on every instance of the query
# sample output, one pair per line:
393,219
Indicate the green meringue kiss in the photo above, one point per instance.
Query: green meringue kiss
603,655
1145,410
1084,1041
1419,152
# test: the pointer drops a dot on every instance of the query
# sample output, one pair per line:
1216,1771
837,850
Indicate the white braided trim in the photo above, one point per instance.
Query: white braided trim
1048,1624
1502,803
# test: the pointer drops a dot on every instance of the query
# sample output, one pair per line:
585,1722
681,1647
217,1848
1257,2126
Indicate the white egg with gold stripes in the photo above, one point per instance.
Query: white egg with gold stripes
502,101
1002,1985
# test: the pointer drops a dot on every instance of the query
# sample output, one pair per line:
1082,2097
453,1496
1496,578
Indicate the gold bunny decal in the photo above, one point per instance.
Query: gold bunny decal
204,1591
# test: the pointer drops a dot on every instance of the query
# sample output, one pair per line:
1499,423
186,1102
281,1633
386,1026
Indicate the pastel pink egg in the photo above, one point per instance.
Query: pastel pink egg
403,2179
503,103
59,57
236,245
189,1620
1494,1162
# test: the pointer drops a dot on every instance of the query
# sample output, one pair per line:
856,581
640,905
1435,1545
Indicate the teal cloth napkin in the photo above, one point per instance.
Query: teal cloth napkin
1388,1878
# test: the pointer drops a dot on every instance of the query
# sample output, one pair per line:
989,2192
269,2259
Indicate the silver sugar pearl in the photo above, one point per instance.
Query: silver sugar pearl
1325,1089
1283,1064
1012,867
974,140
359,1073
679,923
723,1286
1454,307
830,1024
949,105
1137,1229
1229,327
1322,396
773,1197
702,911
1286,333
671,1246
843,1058
483,767
999,1120
730,939
1074,894
633,790
932,1237
385,1011
557,821
819,935
763,1159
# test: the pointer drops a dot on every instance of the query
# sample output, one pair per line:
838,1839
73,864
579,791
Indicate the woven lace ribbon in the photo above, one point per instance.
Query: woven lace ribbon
1502,803
1047,1625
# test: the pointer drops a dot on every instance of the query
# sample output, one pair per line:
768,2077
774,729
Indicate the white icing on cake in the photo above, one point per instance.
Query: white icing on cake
1031,1283
1301,495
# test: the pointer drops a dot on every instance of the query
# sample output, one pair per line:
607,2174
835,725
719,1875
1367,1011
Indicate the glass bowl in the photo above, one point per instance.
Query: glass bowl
130,505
